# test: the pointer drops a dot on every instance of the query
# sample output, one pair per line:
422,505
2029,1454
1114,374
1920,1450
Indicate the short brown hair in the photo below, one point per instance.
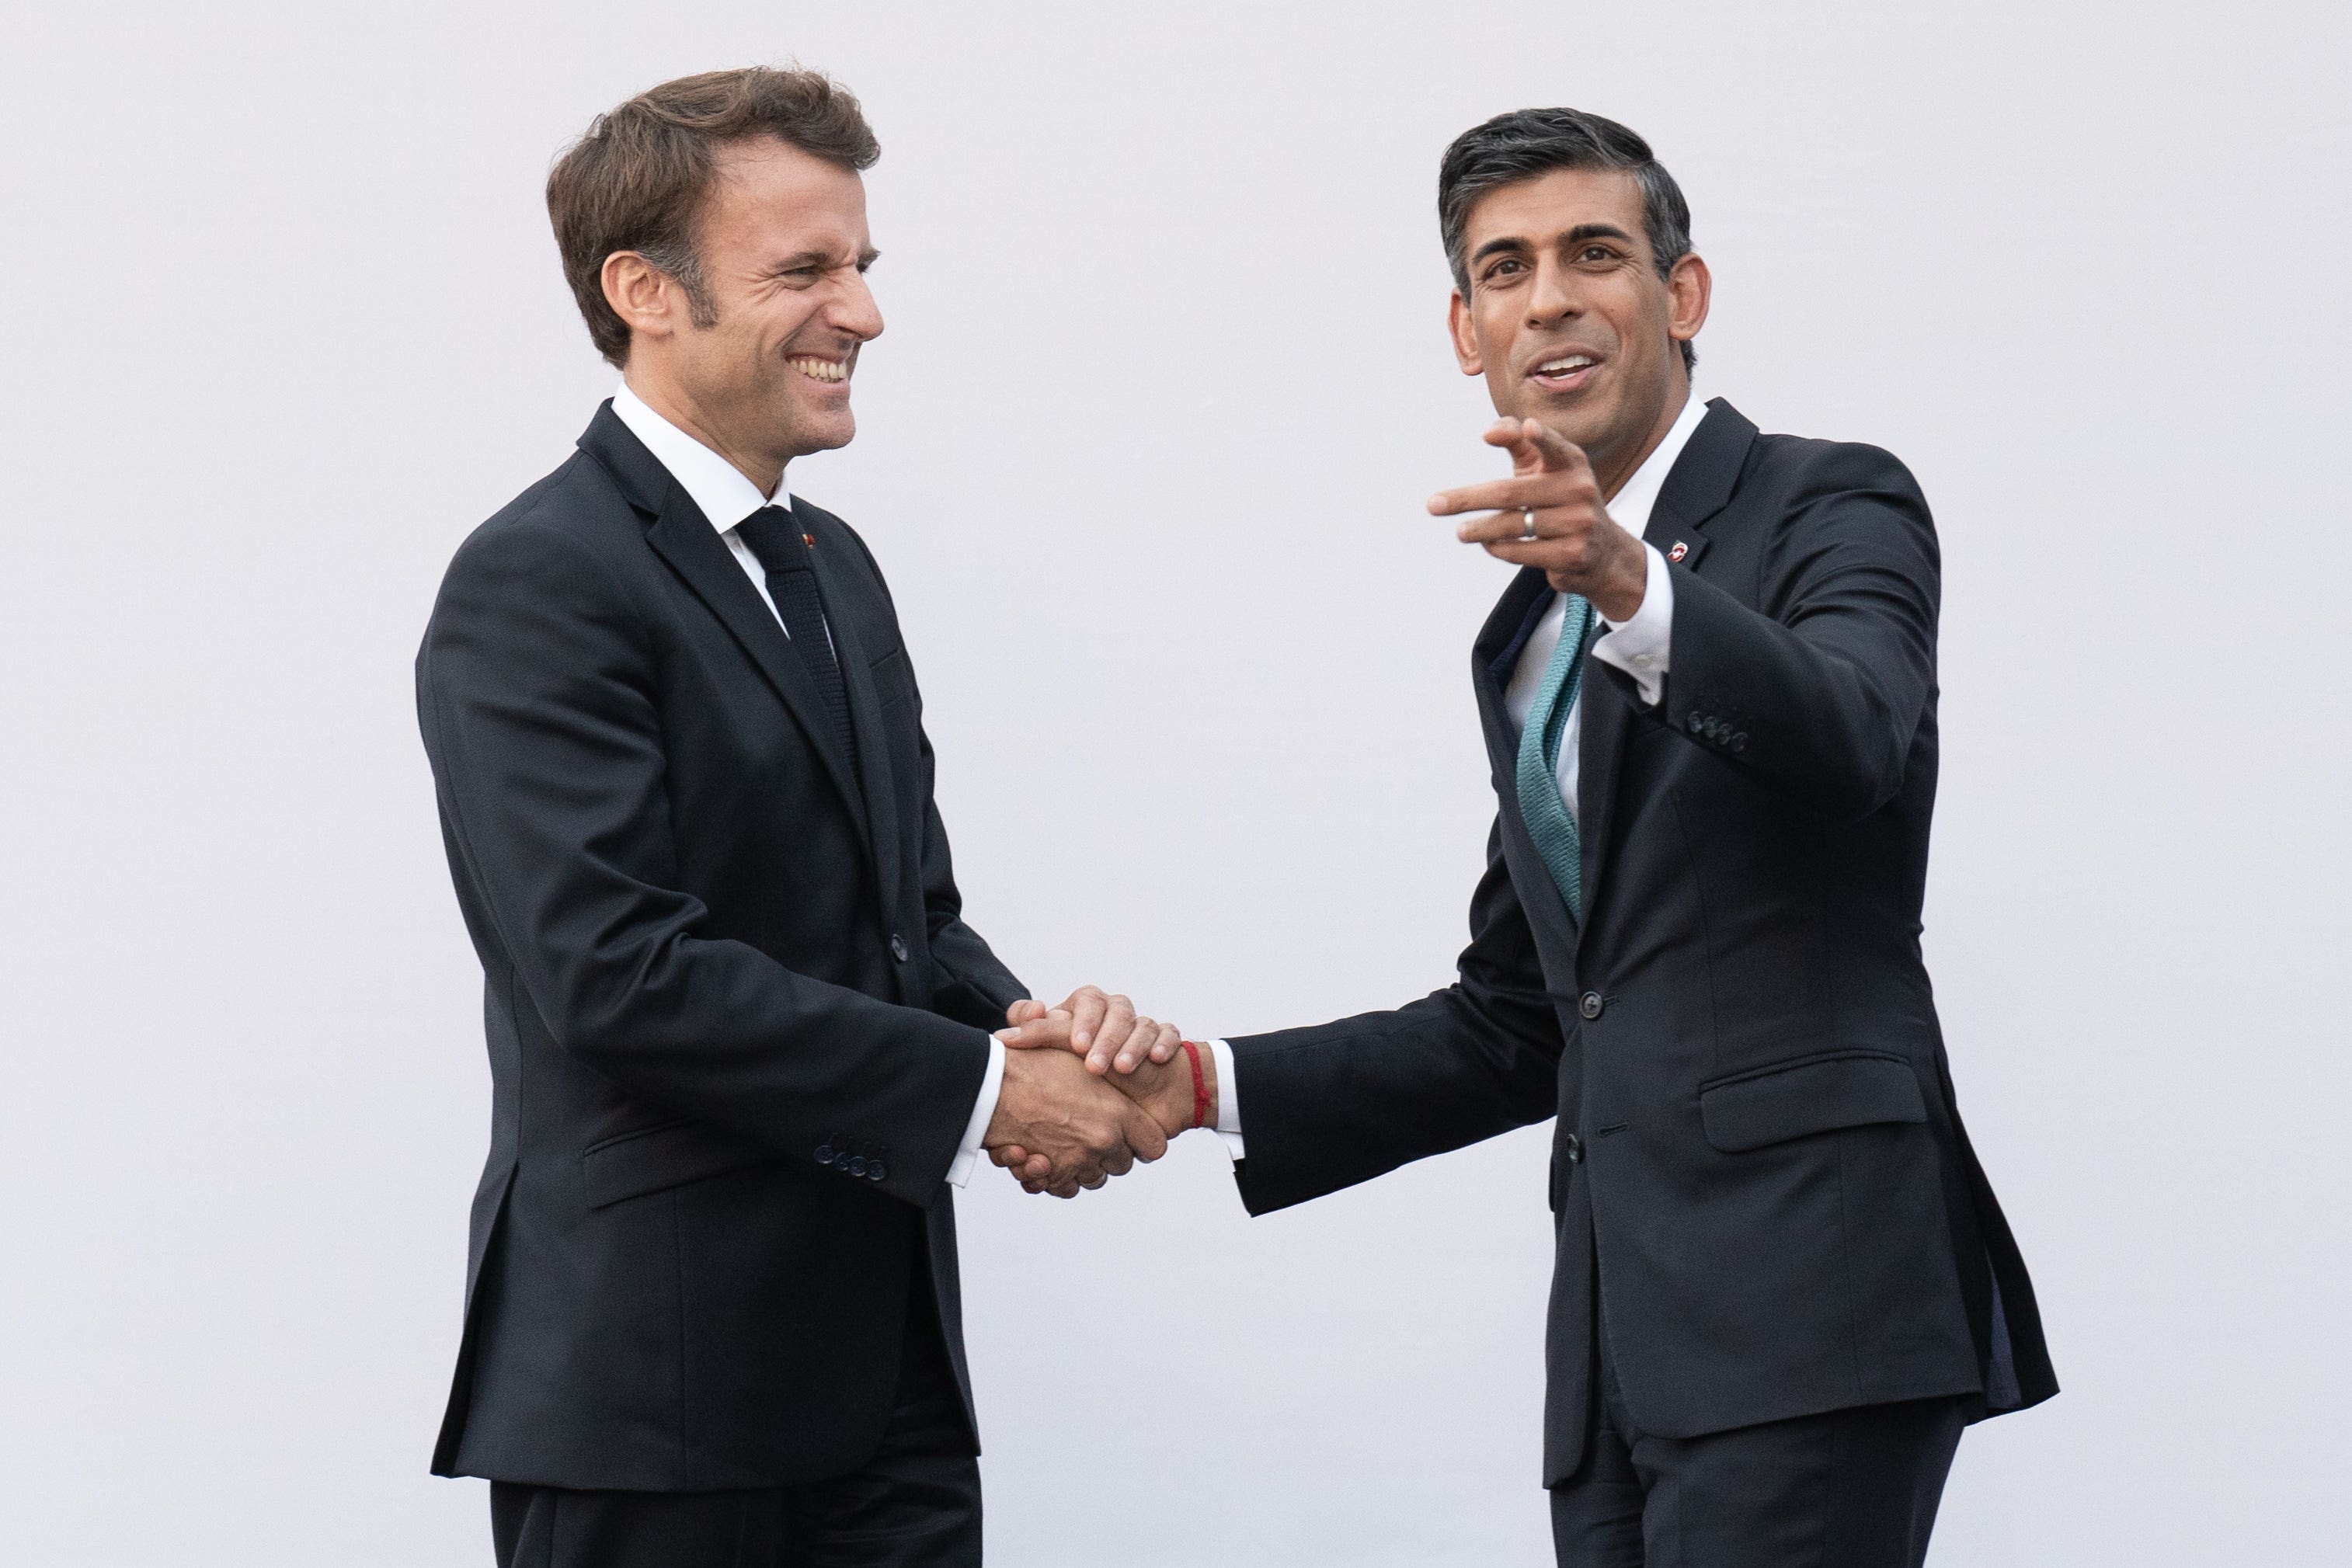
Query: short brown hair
637,180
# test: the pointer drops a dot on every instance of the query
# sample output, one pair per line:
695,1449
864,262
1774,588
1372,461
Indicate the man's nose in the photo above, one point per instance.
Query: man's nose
854,312
1550,300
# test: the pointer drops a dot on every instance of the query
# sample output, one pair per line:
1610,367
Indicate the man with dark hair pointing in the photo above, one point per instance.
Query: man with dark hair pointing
1781,1285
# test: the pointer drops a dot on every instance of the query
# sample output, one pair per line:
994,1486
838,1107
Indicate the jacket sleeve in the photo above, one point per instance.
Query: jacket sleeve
1326,1107
536,697
1821,692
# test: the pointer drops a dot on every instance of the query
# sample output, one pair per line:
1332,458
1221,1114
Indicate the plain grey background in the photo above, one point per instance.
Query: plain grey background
1143,451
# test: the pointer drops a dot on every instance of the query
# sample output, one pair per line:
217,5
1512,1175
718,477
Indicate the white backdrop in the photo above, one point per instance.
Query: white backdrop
1143,452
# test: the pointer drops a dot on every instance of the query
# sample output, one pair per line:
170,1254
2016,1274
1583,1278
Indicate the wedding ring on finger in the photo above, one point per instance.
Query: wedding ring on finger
1528,534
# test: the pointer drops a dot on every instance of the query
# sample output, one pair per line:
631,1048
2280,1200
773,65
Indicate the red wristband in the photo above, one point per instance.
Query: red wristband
1199,1085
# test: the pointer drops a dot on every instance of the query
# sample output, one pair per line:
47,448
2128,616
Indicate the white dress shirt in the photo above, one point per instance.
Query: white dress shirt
1639,646
725,497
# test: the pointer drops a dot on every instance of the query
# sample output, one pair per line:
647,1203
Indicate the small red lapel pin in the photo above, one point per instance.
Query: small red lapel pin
1680,550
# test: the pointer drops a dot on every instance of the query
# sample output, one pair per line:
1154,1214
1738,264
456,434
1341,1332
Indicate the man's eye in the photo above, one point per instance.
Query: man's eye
1598,253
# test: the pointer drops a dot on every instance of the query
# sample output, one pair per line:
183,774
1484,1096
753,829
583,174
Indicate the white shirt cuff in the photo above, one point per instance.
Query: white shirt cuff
983,1112
1229,1097
1640,646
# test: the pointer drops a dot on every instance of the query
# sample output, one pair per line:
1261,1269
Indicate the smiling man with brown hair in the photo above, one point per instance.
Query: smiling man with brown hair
1782,1283
739,1032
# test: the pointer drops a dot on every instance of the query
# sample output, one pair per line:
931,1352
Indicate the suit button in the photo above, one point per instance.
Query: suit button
876,1170
1740,741
1590,1004
824,1154
857,1166
1573,1148
898,946
1696,723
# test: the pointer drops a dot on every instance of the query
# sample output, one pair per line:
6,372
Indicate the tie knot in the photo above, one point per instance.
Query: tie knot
776,537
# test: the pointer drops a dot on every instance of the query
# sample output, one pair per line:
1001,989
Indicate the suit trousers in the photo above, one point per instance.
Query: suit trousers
1847,1488
914,1503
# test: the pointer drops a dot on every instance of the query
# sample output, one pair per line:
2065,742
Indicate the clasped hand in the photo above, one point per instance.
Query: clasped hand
1088,1091
1089,1088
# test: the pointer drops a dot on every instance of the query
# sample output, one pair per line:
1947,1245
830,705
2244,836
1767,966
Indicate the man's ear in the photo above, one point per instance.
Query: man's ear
647,298
1689,286
1466,343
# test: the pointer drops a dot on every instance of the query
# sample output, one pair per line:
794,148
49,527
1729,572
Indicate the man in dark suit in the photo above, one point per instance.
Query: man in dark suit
1782,1284
739,1032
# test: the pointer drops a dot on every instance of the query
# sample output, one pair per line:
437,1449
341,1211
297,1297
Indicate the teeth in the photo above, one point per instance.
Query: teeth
821,370
1573,362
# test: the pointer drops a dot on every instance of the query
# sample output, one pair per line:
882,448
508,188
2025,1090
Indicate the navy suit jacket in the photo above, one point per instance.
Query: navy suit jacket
736,1021
1763,1194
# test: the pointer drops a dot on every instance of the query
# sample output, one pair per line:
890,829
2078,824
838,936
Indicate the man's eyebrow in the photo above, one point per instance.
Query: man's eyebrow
1576,235
800,258
821,259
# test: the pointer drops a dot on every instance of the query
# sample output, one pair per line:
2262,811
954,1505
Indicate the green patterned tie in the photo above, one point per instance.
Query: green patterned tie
1549,823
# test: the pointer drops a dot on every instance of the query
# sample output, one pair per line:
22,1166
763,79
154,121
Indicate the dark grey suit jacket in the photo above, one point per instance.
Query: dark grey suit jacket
1761,1178
735,1017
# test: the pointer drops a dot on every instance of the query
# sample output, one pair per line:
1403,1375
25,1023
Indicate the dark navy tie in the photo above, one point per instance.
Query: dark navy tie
776,537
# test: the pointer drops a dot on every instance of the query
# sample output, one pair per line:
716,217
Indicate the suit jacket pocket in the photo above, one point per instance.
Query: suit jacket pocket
1798,1098
654,1159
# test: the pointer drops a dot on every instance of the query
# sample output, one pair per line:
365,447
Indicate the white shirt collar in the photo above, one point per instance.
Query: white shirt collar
717,485
1633,503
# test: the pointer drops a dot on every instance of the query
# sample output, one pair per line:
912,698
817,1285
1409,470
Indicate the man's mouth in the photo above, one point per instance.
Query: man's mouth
828,370
1564,373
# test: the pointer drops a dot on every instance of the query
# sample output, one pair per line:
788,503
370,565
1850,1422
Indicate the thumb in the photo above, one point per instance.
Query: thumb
1143,1134
1511,435
1036,1034
1551,451
1024,1009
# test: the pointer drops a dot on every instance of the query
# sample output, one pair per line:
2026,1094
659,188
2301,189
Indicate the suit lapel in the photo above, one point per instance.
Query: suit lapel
683,538
864,701
1696,489
1491,658
1702,479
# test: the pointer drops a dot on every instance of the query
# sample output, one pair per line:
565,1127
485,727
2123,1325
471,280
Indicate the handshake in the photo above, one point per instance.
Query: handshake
1090,1088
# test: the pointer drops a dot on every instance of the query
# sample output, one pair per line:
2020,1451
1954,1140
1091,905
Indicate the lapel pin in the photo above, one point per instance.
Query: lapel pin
1680,550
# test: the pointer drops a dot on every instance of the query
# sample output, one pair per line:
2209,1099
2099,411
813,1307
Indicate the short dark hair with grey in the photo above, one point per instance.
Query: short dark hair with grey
1527,142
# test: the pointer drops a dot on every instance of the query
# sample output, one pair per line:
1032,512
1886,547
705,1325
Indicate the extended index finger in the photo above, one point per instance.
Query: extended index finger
1536,450
1495,495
